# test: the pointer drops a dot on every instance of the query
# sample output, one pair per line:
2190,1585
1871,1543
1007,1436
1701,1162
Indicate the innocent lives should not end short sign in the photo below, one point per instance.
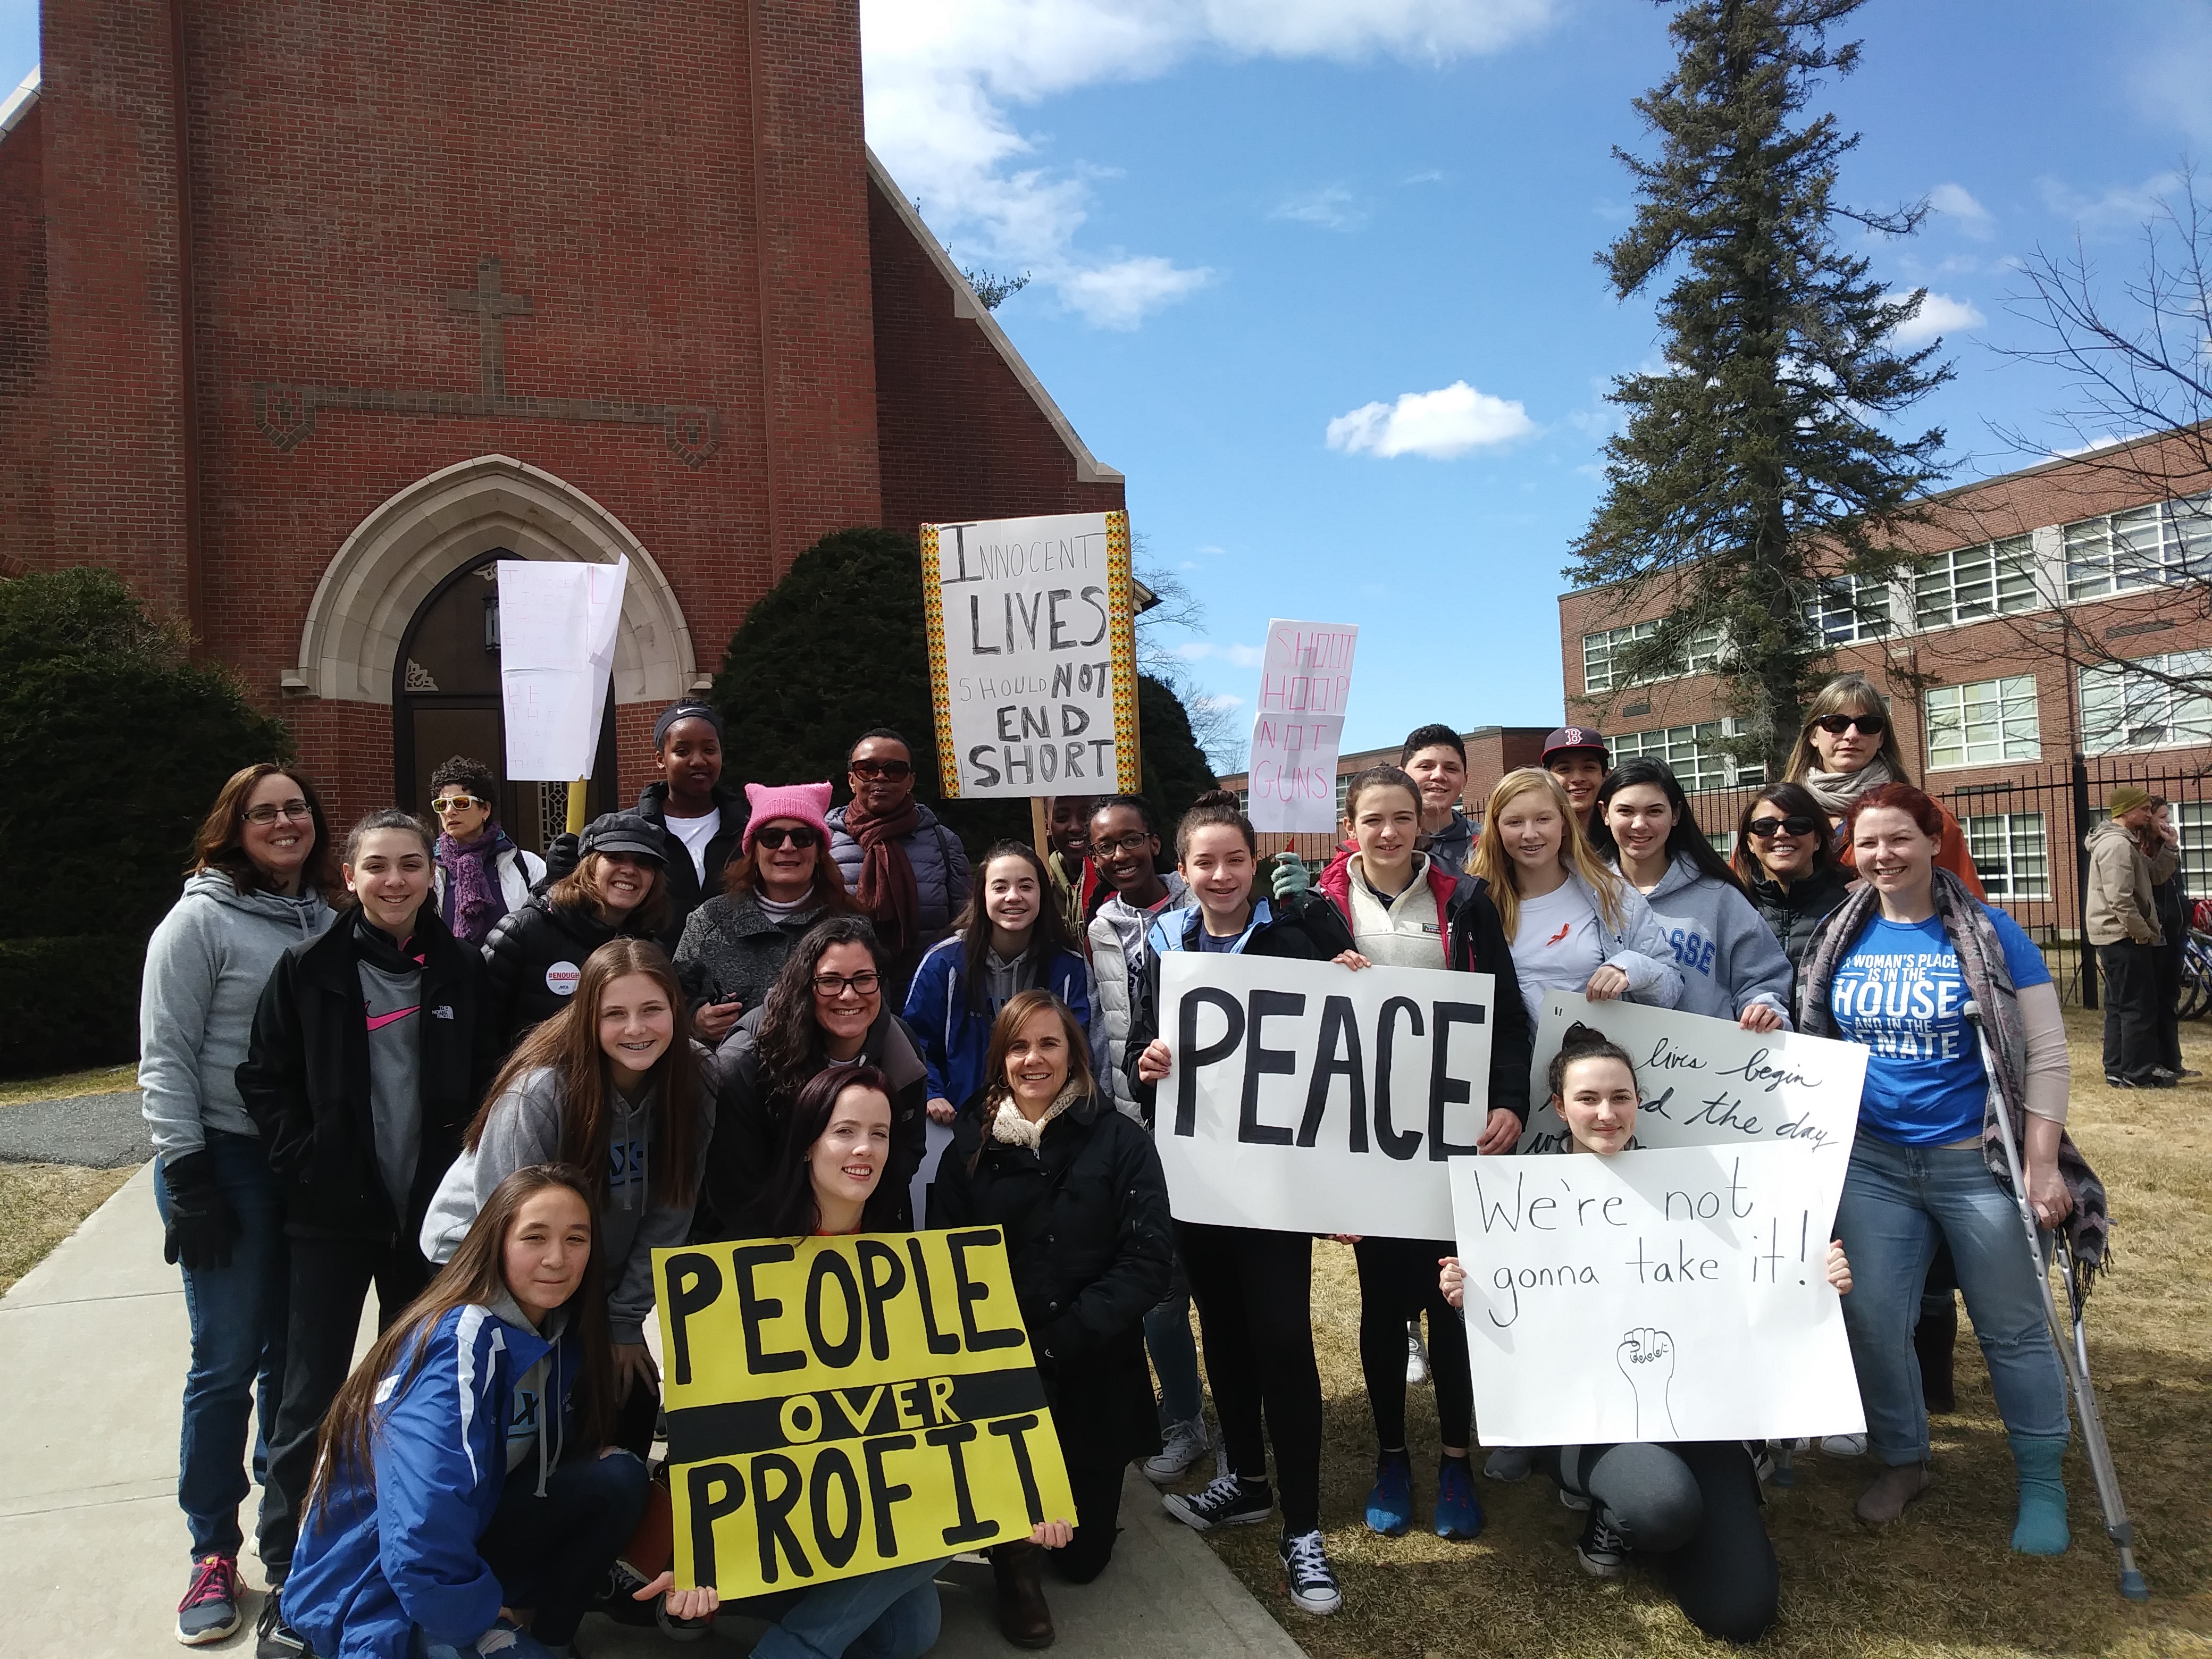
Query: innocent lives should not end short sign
1309,1097
557,649
1032,655
1674,1294
839,1405
1297,726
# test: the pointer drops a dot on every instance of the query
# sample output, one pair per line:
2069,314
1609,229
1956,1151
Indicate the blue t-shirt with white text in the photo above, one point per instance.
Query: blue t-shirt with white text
1900,992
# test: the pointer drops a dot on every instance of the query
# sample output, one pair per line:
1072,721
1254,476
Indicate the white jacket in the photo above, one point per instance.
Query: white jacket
1117,956
519,872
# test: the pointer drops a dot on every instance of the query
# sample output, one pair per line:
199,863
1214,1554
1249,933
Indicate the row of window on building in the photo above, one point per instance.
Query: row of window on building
2098,558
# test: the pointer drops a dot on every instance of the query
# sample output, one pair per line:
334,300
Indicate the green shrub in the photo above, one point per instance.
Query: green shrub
841,644
70,1002
113,744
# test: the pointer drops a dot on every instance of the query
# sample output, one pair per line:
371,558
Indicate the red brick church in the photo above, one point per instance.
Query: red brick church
310,313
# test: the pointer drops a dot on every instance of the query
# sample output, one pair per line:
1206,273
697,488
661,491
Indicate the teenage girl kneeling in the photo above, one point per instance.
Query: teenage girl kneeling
1691,1505
465,1500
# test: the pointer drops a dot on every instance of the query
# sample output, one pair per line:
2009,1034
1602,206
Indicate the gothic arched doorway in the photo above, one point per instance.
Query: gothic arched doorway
445,701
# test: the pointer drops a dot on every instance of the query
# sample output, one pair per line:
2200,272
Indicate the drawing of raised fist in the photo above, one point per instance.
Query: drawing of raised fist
1646,1358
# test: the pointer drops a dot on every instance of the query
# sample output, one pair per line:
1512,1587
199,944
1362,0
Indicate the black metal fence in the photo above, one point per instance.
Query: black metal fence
2025,834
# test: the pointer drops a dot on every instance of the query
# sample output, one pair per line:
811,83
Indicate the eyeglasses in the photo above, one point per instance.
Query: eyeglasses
1835,725
830,987
798,835
445,804
893,770
290,809
1796,825
1106,849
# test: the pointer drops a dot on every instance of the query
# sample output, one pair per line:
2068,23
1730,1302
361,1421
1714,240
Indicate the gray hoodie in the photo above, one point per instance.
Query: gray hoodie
1117,956
205,967
1729,956
525,1128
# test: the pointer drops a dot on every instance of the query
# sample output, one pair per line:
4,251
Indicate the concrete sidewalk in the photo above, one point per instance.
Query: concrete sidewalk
93,1549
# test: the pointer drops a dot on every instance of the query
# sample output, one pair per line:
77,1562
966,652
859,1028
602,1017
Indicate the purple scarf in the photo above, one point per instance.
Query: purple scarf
473,900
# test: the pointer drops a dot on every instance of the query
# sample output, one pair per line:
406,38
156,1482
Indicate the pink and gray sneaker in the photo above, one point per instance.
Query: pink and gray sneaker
208,1611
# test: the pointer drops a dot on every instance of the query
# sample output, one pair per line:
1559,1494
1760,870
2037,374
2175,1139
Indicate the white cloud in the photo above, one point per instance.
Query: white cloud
1441,424
2123,208
1237,656
1939,314
945,76
2169,77
1432,176
1330,208
1957,201
1224,702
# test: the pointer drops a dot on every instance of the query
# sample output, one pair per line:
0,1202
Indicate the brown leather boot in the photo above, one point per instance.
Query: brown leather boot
1935,1340
1024,1618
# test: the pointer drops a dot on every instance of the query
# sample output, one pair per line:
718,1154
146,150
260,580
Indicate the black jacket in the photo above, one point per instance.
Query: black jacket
525,947
1796,916
305,1080
1088,1241
748,1125
686,892
1304,930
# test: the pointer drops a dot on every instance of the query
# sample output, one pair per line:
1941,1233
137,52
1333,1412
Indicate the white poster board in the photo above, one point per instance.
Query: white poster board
557,650
1309,1097
1676,1294
1032,655
1297,726
1709,1081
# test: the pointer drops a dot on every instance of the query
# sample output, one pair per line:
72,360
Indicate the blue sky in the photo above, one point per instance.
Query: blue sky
1255,224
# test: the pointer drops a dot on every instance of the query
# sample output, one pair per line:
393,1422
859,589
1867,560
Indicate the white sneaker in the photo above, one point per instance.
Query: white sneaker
1843,1445
1305,1566
1417,1356
1186,1442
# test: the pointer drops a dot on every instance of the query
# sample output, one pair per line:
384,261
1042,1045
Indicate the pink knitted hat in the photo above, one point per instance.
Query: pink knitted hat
807,802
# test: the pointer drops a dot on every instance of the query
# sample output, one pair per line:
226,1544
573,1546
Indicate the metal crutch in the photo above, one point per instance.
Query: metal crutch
2068,1334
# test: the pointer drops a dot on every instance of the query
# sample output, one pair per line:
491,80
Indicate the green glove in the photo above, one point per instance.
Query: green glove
1289,878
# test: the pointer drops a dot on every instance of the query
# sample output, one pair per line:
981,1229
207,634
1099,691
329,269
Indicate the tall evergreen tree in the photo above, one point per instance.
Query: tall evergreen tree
1758,465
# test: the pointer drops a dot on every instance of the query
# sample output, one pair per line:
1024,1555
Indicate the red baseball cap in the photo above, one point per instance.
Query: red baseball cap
1569,738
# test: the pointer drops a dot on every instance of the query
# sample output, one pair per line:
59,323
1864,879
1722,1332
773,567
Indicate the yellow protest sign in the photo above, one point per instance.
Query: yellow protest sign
838,1406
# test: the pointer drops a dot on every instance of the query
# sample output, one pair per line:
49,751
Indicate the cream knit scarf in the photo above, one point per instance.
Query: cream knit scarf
1836,791
1010,1128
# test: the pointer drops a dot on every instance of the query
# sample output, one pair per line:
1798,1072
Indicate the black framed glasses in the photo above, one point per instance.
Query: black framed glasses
833,986
445,804
1835,725
893,770
778,834
1796,825
265,813
1135,843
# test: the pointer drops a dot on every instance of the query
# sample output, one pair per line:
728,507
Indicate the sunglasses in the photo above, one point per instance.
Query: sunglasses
775,835
445,804
290,809
1796,825
830,987
1835,725
893,770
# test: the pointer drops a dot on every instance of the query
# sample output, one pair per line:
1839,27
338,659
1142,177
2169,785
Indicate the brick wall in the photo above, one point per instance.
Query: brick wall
26,521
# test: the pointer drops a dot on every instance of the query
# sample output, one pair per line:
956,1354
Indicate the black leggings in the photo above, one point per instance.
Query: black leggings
1254,1295
1694,1504
1098,1521
1398,1282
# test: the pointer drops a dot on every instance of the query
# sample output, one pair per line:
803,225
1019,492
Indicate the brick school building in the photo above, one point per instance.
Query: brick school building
311,313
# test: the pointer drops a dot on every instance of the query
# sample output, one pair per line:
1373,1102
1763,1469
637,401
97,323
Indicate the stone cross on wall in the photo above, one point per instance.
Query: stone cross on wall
284,413
492,308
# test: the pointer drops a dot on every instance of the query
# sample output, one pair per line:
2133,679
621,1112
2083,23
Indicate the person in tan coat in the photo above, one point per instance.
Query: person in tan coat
2122,922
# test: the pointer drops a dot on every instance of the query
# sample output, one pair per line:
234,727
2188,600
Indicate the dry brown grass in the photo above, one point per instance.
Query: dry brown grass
42,1204
1941,1585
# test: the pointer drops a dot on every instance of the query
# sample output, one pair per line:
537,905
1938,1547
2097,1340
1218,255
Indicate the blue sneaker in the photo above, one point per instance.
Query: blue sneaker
1390,1500
1459,1512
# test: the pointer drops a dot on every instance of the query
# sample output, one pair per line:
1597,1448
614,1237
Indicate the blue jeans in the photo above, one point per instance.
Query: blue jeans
892,1614
1175,1354
1897,1201
424,1645
237,1315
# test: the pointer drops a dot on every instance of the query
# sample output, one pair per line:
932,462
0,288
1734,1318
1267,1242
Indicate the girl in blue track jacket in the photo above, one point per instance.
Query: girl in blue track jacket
465,1501
1011,937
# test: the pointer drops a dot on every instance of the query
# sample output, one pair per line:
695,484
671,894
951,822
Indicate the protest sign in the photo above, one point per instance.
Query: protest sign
841,1405
1709,1081
1297,726
1312,1098
557,650
1032,655
1679,1294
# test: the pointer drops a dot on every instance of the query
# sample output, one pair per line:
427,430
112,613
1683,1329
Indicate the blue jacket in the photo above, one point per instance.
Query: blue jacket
370,1567
956,1040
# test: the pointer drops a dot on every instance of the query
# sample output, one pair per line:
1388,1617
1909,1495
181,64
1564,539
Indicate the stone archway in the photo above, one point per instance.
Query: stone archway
399,553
